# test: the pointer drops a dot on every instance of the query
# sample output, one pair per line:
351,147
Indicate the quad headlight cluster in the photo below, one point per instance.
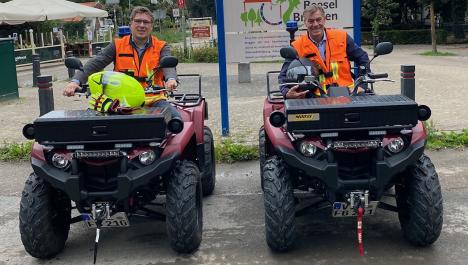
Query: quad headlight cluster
60,161
147,157
396,145
307,148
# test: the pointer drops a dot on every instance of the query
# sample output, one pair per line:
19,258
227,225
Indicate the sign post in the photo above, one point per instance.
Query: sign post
222,68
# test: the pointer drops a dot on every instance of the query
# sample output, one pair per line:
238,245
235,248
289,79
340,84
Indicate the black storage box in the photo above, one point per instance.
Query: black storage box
350,113
88,126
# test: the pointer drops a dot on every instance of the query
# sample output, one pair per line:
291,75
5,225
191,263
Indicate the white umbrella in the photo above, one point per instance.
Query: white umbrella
56,9
12,16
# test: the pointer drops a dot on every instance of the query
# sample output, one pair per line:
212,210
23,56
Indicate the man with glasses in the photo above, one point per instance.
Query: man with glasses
138,55
330,50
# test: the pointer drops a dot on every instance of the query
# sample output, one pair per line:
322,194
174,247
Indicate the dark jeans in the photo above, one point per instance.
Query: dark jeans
166,104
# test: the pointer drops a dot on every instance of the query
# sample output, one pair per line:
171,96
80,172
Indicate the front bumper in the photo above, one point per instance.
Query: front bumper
128,180
328,172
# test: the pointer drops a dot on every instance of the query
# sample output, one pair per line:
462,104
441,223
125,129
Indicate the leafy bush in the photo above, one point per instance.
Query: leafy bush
198,55
413,36
15,151
205,55
230,152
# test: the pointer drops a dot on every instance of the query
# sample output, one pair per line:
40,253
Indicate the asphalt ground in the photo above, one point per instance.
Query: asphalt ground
233,230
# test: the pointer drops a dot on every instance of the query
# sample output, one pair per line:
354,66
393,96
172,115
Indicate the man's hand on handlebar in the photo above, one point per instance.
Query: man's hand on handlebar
296,92
70,89
171,84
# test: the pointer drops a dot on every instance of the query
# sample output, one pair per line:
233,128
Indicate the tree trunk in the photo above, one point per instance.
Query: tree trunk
433,30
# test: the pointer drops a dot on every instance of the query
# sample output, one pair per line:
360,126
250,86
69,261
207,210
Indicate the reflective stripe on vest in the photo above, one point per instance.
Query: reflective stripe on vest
128,61
336,67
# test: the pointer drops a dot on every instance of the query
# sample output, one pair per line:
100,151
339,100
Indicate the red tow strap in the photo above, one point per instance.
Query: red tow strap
360,213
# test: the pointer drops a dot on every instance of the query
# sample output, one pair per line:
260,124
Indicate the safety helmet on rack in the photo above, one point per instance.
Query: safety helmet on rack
116,85
300,68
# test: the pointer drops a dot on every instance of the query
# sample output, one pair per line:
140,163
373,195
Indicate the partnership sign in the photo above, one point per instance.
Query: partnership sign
255,30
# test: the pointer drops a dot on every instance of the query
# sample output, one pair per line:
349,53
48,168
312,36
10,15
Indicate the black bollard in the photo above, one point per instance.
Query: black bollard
71,72
36,67
46,94
408,84
375,40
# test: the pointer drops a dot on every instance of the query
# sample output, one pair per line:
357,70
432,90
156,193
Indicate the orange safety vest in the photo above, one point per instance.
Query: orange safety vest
336,68
126,60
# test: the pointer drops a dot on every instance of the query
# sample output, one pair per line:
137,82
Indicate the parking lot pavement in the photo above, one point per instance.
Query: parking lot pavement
234,228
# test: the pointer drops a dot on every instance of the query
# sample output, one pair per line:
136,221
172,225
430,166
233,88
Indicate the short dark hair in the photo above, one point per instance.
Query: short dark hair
312,9
141,10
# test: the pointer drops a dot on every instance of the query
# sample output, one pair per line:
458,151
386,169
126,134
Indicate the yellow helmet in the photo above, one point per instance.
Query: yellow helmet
116,85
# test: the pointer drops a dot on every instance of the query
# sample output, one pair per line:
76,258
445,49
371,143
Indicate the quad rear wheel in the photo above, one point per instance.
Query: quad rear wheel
184,220
419,201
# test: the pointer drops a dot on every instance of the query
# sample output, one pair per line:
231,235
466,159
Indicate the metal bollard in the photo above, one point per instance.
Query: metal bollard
46,94
71,72
408,84
36,67
244,72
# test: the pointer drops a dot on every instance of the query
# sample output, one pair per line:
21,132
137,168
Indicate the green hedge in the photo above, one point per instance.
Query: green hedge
198,55
413,36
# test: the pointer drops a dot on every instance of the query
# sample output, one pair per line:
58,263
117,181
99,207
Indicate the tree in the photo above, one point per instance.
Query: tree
379,12
432,4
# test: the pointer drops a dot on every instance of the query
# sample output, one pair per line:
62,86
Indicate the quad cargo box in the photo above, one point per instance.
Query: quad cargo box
382,112
61,127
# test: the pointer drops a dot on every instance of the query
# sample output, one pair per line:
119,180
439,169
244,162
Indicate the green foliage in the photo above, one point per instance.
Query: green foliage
431,53
15,151
416,36
251,16
230,152
439,139
169,35
379,12
243,18
205,55
198,55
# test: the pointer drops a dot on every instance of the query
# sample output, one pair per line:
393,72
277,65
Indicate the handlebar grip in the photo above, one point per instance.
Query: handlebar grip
375,76
82,89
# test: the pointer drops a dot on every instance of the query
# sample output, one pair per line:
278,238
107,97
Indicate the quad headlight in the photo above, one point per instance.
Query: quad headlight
59,161
396,145
147,157
307,148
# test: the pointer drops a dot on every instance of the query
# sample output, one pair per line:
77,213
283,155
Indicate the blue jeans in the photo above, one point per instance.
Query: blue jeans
166,104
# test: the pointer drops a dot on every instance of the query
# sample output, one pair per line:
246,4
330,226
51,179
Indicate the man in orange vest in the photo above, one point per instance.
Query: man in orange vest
331,50
138,55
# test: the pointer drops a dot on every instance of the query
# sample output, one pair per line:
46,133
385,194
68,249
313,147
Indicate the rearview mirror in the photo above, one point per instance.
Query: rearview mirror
168,62
288,53
73,63
383,48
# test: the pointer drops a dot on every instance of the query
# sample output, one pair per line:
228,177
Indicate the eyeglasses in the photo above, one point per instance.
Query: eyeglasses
141,21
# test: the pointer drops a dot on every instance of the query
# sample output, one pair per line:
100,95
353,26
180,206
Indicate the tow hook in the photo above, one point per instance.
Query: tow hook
359,201
100,212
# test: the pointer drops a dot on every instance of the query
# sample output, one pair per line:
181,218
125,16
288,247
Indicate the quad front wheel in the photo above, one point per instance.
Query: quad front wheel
279,205
419,201
44,218
184,219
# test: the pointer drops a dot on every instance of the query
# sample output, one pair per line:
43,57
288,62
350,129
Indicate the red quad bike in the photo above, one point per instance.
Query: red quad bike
346,152
114,168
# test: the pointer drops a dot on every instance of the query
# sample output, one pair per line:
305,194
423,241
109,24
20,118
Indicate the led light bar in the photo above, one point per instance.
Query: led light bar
75,146
97,154
356,144
328,135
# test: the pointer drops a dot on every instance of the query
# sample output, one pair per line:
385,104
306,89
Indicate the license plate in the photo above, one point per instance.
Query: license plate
117,220
342,209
